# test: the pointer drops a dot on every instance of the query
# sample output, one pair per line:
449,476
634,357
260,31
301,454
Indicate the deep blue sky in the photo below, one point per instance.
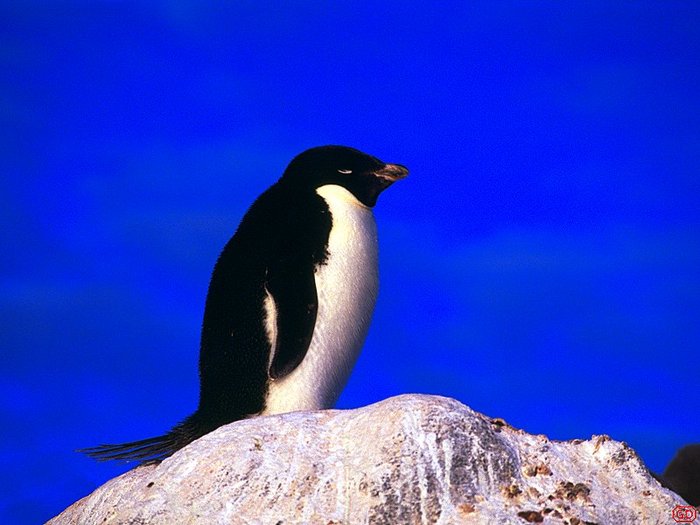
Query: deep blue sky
540,264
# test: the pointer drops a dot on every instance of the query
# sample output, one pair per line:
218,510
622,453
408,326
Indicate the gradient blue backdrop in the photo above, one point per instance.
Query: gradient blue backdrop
541,263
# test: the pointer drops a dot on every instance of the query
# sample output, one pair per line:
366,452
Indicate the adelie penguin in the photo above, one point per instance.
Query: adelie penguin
290,299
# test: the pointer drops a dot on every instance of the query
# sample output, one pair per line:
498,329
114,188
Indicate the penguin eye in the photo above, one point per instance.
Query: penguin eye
345,172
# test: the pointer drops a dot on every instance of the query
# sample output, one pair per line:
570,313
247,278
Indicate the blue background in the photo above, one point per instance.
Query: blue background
540,264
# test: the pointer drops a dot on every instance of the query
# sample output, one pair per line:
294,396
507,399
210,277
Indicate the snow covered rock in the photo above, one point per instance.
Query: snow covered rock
409,459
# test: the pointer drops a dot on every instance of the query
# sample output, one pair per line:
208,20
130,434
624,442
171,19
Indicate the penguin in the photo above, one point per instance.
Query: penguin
290,299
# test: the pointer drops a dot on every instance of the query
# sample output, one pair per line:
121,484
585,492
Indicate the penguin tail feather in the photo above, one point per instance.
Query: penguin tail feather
151,450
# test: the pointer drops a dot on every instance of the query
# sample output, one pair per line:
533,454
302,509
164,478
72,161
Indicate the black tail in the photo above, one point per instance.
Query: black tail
153,450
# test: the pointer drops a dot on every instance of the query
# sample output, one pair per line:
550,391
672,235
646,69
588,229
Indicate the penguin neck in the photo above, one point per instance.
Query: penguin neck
337,195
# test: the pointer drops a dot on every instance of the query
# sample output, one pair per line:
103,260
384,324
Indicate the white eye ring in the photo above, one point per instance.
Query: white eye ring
345,172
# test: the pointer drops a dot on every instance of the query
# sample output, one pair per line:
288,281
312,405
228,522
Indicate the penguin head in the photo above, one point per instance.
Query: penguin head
361,174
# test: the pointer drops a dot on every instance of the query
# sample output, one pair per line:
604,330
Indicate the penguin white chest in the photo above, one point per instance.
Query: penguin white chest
346,286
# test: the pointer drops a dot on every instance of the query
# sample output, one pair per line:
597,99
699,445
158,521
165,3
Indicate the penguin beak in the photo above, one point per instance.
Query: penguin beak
391,173
380,180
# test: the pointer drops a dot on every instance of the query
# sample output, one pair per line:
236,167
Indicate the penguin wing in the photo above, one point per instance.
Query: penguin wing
293,290
291,284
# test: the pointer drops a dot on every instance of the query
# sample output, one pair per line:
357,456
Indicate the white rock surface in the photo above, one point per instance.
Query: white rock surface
410,459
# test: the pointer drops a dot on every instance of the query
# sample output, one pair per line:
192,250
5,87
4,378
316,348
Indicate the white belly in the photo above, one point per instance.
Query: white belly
347,288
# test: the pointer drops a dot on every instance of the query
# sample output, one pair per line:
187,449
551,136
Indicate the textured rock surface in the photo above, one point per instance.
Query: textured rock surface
409,459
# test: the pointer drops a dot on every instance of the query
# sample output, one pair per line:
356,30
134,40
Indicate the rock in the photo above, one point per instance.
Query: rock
408,459
683,473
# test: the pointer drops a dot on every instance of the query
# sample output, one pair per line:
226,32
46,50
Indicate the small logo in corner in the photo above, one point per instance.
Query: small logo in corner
684,514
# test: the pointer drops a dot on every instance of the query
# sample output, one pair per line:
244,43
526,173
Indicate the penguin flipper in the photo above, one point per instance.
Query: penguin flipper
293,291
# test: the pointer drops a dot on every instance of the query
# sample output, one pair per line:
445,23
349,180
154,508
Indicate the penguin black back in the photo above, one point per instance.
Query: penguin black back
262,304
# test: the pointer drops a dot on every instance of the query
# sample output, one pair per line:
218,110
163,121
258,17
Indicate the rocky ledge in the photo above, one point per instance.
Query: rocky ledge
409,459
